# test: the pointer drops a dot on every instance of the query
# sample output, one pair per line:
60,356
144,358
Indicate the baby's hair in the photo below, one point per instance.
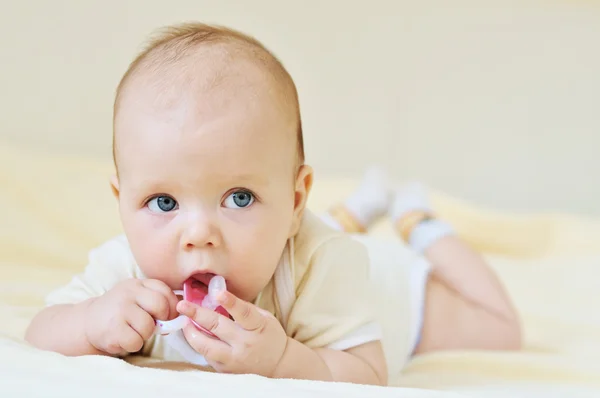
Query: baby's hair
174,43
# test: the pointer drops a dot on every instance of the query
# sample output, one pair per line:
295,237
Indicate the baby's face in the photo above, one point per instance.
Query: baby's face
208,185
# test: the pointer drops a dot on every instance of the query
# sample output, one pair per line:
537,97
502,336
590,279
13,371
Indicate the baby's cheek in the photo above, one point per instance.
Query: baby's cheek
156,260
256,258
153,255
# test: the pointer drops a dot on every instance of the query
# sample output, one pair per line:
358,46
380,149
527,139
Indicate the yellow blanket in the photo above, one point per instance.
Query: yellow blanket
54,209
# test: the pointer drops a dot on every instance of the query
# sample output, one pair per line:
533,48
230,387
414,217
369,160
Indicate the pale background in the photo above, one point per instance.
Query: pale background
497,102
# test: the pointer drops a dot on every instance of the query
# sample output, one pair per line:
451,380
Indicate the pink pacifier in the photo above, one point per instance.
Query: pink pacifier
198,293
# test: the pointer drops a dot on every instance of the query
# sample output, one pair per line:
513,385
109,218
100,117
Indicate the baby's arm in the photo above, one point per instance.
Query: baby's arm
364,364
61,328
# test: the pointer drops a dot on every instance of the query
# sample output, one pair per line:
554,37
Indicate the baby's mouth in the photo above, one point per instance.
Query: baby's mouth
195,289
199,290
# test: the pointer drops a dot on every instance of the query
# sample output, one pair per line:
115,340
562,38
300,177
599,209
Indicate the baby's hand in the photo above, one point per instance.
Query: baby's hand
253,343
119,321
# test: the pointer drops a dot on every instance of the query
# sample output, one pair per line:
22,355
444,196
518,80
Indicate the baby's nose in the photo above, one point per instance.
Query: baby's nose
201,231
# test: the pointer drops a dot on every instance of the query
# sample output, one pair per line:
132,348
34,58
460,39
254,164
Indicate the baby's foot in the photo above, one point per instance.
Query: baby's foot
371,199
414,219
409,198
368,202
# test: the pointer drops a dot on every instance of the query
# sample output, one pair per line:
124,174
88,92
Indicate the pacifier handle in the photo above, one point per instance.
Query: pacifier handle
166,327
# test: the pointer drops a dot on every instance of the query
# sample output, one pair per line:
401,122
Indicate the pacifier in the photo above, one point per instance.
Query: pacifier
198,293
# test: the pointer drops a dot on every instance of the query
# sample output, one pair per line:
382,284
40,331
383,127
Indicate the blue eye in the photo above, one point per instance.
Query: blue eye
239,199
162,204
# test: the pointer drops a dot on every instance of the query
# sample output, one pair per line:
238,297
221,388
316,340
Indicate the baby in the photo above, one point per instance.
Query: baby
211,180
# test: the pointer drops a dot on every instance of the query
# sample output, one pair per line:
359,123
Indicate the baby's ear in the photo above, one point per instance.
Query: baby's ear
304,181
114,184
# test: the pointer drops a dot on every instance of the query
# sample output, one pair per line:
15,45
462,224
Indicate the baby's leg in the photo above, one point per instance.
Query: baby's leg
466,306
363,207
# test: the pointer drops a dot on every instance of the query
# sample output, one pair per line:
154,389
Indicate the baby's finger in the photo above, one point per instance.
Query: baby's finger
129,339
213,350
161,287
245,314
154,303
213,322
157,285
141,321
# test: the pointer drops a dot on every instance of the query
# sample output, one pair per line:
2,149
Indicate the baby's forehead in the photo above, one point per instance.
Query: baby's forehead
193,94
207,72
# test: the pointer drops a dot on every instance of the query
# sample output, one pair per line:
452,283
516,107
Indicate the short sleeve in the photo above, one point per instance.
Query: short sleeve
334,304
107,265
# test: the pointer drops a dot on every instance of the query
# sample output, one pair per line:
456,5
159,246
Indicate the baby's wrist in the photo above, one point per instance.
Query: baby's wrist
301,362
281,370
88,320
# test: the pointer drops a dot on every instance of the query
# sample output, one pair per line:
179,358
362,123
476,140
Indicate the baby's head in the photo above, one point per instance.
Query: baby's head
209,156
